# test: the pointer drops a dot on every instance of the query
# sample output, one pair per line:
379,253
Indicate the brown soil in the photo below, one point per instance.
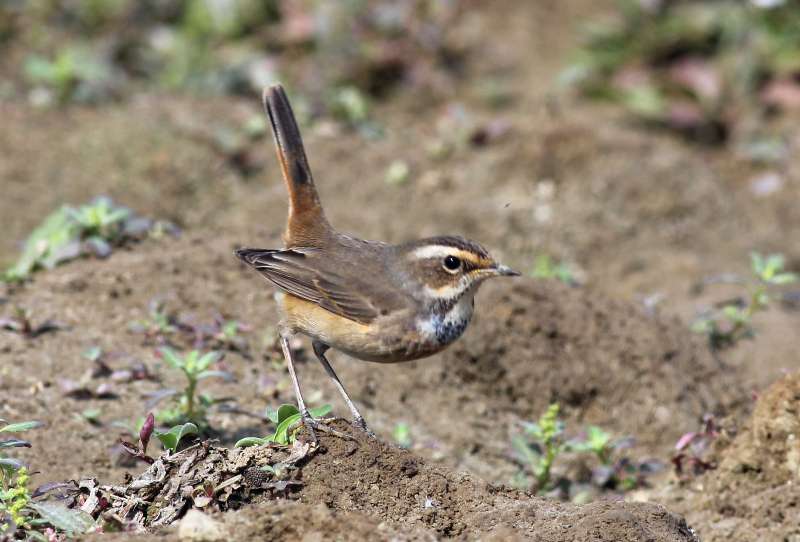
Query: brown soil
397,494
641,214
753,493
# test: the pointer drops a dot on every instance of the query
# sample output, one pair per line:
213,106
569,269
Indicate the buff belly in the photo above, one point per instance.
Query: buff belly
386,340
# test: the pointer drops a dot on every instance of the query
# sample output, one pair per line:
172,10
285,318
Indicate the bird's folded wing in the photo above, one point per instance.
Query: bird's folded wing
308,275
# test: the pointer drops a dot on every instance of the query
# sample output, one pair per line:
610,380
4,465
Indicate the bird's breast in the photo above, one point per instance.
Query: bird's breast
397,337
445,327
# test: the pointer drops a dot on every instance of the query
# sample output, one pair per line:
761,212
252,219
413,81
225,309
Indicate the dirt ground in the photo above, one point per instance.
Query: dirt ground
642,215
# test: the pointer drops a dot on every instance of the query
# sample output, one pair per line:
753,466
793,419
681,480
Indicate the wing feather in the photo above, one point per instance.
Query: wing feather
304,273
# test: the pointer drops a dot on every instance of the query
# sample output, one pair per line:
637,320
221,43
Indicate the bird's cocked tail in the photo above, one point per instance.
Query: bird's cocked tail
306,225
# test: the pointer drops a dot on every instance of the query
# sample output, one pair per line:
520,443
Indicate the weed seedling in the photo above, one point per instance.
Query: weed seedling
285,420
22,518
692,448
545,267
159,324
402,435
541,445
68,233
190,406
731,321
22,323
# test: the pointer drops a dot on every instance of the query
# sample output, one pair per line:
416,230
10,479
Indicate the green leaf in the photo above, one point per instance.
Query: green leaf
171,357
285,411
272,415
645,100
72,521
20,427
734,313
704,325
93,353
281,435
251,441
775,263
320,411
206,361
173,437
287,416
757,263
783,278
225,375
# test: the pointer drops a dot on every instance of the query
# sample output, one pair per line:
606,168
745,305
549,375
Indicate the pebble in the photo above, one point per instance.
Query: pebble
199,527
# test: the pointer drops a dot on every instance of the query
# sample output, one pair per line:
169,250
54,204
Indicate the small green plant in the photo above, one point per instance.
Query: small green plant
731,321
21,517
402,435
74,73
14,501
541,445
190,406
21,322
9,465
100,219
69,233
159,324
14,494
285,418
170,439
545,267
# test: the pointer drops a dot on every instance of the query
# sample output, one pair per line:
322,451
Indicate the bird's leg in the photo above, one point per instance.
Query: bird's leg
306,418
319,349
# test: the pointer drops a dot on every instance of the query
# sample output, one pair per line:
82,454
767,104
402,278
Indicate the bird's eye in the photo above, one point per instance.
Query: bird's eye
452,264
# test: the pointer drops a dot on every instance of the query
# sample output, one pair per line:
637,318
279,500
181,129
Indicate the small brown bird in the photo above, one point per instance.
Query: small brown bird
371,300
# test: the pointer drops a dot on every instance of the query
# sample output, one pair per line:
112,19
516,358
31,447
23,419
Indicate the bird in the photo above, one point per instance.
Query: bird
370,300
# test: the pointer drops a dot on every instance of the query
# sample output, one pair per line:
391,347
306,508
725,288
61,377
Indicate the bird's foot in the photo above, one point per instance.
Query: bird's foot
321,425
359,423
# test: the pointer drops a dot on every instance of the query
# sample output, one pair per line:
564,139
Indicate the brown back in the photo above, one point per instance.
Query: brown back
306,225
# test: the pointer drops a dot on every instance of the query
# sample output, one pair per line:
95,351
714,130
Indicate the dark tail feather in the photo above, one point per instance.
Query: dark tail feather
306,220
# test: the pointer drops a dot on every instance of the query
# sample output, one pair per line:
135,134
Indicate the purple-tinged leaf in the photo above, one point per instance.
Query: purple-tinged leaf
147,431
699,76
98,246
602,475
105,391
14,443
134,451
685,440
136,227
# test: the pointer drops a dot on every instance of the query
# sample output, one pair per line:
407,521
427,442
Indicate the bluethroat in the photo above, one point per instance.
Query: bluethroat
371,300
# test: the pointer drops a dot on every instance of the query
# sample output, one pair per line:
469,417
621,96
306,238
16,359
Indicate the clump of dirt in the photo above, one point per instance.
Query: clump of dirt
390,486
752,495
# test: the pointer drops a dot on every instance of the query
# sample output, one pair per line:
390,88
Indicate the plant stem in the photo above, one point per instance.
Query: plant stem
190,397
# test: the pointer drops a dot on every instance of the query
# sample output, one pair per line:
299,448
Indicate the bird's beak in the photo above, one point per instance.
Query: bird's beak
505,271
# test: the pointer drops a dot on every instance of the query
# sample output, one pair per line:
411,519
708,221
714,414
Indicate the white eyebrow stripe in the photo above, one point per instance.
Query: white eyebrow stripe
435,251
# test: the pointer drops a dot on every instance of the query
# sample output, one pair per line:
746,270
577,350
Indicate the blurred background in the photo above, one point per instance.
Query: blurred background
644,149
156,103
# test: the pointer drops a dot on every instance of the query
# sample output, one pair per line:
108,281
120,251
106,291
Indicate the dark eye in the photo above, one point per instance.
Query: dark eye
451,263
